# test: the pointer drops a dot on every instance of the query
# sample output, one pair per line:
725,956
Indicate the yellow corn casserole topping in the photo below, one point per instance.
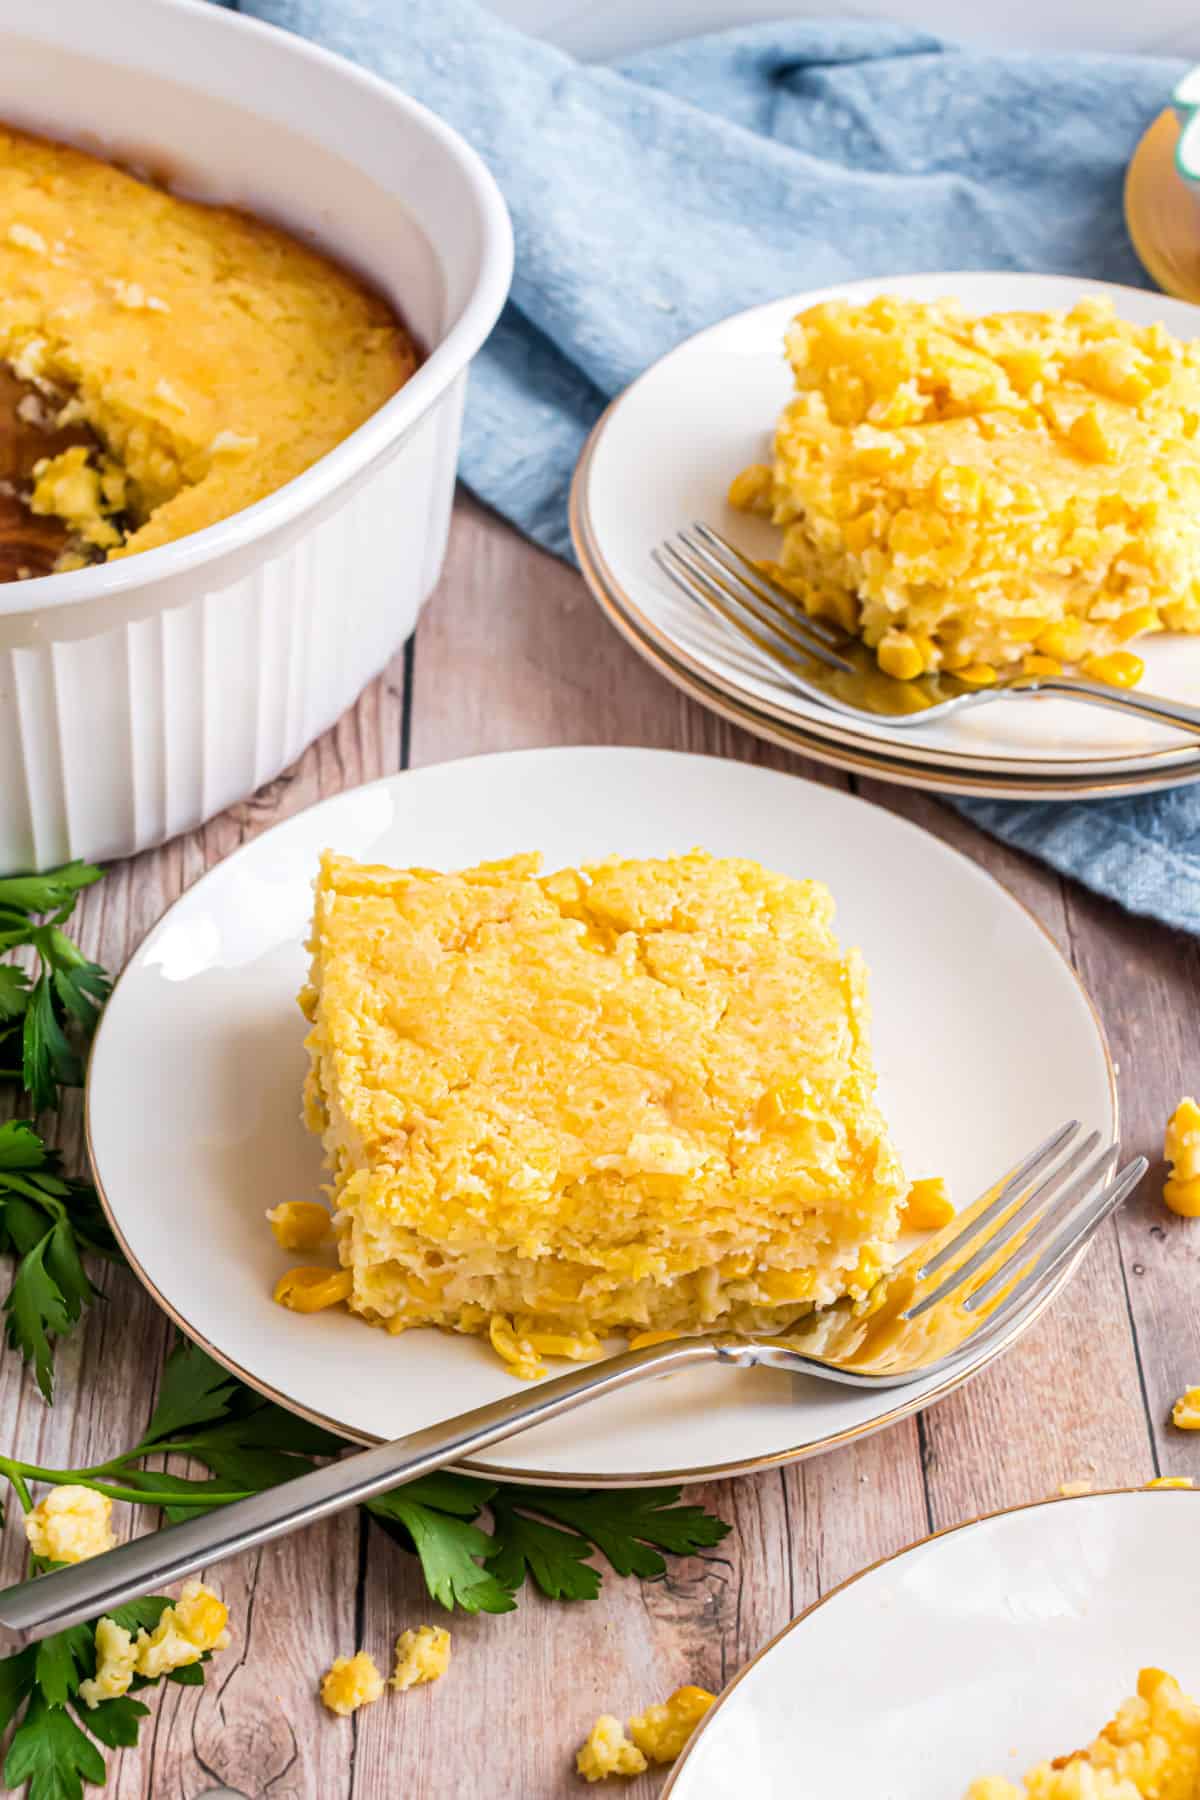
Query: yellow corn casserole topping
967,493
636,1096
213,356
1149,1751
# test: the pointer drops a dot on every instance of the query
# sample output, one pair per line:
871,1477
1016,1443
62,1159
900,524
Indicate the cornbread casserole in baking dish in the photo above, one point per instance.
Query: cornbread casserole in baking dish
199,357
635,1096
971,493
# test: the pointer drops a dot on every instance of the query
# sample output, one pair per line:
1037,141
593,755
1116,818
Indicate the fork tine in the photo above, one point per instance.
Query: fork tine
1064,1209
1080,1226
784,613
767,641
1040,1201
790,627
731,561
1024,1171
679,575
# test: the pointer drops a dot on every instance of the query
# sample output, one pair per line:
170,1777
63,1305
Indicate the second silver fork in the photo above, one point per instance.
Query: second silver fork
828,665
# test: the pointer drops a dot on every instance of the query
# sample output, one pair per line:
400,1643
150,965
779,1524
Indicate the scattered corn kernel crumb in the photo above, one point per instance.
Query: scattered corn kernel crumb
1069,1489
1181,1147
1186,1411
299,1224
662,1731
116,1664
928,1205
311,1290
70,1524
197,1622
1171,1481
421,1655
608,1752
353,1681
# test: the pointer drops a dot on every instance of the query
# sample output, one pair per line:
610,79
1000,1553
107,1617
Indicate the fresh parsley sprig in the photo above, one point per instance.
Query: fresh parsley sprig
47,1221
45,1022
248,1444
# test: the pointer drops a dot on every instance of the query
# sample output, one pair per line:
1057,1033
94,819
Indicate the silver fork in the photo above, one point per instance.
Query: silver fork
968,1287
829,665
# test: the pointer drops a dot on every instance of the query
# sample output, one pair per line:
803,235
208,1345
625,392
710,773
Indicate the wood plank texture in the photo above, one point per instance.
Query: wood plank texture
513,653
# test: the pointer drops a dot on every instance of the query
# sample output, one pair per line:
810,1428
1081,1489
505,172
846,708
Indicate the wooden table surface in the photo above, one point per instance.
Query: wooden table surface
511,652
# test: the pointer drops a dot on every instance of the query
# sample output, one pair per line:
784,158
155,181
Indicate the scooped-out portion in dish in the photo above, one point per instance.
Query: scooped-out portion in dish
1020,490
1150,1750
631,1097
181,361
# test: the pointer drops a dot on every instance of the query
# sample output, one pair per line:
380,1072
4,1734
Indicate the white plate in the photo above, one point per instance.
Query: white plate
871,759
980,1652
984,1039
664,453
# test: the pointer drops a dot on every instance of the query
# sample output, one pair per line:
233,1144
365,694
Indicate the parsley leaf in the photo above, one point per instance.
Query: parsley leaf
115,1722
35,1311
52,1754
45,1220
57,1012
624,1525
557,1560
14,992
55,892
62,1661
451,1553
194,1391
16,1684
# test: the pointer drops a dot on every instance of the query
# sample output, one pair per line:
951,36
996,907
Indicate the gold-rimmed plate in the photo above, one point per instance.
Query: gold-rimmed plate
663,454
983,1650
194,1088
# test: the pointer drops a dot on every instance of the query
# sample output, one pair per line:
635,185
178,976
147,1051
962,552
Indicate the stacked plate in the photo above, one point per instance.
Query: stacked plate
663,455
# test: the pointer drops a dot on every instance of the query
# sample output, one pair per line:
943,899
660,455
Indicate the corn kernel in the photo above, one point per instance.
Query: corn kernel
898,656
1087,435
977,674
662,1731
958,489
422,1655
1036,664
299,1224
859,532
1120,668
1186,1411
311,1290
787,1284
1132,624
608,1751
751,490
1064,640
1181,1148
1171,1481
351,1682
928,1205
516,1351
642,1340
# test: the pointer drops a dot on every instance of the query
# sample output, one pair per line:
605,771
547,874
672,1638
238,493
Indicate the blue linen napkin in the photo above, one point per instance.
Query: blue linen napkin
654,196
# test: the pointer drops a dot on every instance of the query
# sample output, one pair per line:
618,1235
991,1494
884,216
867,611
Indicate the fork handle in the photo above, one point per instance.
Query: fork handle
1145,706
32,1609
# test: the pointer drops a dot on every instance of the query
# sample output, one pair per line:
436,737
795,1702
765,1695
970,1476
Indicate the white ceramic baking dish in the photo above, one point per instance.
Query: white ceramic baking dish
138,698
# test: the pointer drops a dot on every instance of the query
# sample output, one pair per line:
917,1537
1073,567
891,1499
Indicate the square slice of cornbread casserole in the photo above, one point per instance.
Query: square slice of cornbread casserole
636,1096
968,493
